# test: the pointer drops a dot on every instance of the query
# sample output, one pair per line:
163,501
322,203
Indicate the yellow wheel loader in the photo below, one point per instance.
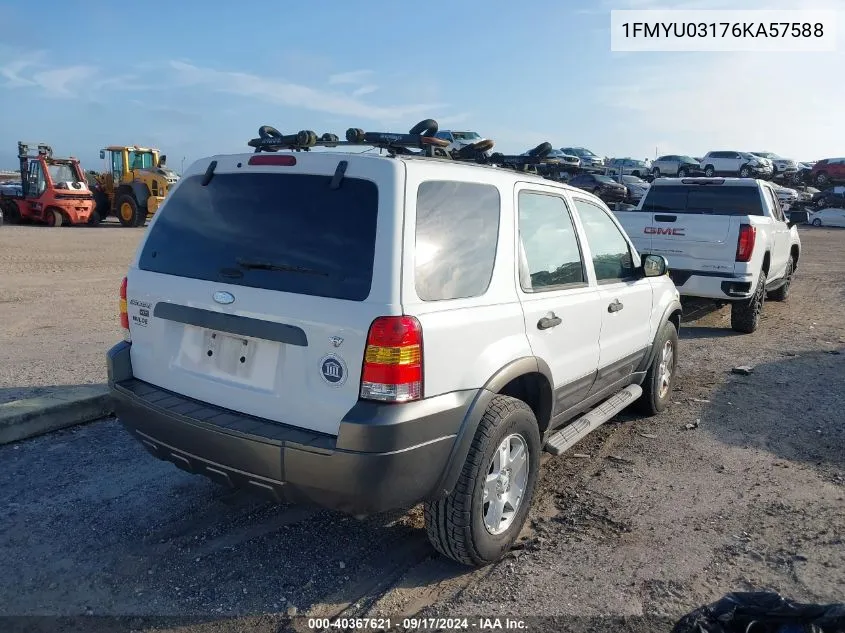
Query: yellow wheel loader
134,183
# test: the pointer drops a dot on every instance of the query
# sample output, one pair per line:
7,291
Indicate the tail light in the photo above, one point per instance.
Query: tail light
393,360
745,244
124,313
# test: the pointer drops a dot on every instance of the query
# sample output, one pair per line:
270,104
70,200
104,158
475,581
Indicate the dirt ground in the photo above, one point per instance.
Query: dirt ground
640,523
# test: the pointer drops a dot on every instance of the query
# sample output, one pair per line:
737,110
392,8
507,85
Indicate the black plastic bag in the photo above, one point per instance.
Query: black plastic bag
763,612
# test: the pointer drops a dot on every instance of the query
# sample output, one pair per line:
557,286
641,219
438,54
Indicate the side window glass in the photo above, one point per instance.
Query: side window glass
777,210
37,183
550,256
456,237
116,166
612,258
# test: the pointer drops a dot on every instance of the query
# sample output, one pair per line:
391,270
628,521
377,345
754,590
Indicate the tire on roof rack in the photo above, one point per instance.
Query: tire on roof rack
541,150
428,127
268,131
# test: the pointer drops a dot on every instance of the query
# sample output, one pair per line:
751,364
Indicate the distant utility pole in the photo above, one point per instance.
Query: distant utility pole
182,171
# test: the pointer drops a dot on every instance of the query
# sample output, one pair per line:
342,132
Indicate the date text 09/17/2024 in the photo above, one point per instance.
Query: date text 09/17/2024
417,624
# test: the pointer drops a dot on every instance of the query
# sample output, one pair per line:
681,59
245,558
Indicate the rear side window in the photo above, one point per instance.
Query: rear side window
456,237
284,232
704,199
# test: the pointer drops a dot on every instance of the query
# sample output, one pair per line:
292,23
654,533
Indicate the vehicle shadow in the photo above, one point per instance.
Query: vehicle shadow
791,408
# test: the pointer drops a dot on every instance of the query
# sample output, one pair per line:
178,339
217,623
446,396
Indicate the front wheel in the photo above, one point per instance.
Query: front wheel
745,315
656,172
709,171
744,171
817,222
682,172
479,521
657,387
128,211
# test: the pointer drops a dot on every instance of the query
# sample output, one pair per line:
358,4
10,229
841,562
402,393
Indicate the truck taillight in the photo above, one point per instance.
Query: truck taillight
745,244
393,360
124,313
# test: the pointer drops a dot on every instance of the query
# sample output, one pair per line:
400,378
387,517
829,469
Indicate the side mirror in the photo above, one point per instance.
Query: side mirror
102,154
799,217
655,265
162,159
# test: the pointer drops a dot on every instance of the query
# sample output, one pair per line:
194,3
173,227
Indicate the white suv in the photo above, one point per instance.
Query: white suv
368,332
740,164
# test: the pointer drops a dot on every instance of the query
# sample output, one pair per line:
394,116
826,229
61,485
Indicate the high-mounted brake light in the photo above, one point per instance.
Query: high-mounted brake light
393,360
745,243
285,160
124,313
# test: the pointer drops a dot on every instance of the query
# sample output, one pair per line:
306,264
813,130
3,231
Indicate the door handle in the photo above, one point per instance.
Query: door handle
616,306
665,218
548,322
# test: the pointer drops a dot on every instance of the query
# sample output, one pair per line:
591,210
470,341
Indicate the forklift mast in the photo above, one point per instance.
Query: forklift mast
24,156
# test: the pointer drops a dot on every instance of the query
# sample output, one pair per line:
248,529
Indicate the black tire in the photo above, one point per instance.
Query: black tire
817,222
129,212
745,315
94,219
682,172
821,179
782,293
455,523
656,395
744,171
709,171
11,213
821,202
428,127
656,172
101,204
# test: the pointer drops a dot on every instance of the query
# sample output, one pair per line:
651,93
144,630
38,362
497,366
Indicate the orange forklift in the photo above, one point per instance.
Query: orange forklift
54,191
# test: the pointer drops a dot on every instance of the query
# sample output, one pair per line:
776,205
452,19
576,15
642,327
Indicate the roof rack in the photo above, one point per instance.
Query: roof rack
420,140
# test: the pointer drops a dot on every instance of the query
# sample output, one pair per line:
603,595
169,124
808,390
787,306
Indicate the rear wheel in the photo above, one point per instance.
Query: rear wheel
128,211
745,315
53,217
780,294
479,521
821,179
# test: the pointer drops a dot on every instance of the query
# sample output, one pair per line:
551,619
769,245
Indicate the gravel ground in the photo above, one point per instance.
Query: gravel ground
58,304
656,520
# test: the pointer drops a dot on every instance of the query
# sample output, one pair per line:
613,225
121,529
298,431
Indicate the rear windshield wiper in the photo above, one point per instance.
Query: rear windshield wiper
252,264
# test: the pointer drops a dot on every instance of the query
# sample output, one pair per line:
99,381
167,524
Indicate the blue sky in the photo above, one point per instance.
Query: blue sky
198,78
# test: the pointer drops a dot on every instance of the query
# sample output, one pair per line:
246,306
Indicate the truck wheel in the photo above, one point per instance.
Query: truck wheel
479,521
11,213
102,206
657,387
780,294
745,315
94,219
53,217
128,210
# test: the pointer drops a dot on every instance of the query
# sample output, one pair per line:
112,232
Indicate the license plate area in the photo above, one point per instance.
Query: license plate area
228,354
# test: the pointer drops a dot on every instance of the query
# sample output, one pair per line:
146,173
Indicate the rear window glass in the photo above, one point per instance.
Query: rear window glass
456,237
704,199
284,232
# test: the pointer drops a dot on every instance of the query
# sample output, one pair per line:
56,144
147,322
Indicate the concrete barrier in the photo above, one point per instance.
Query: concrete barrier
21,419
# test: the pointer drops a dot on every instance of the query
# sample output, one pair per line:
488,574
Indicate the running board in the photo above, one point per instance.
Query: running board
572,433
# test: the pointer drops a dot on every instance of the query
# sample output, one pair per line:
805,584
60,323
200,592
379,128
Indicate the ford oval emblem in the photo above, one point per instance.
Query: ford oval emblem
221,296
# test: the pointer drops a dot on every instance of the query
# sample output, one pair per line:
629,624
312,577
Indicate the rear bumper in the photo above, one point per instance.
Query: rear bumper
384,457
722,286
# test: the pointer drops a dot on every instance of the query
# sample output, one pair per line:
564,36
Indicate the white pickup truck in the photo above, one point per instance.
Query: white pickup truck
725,239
